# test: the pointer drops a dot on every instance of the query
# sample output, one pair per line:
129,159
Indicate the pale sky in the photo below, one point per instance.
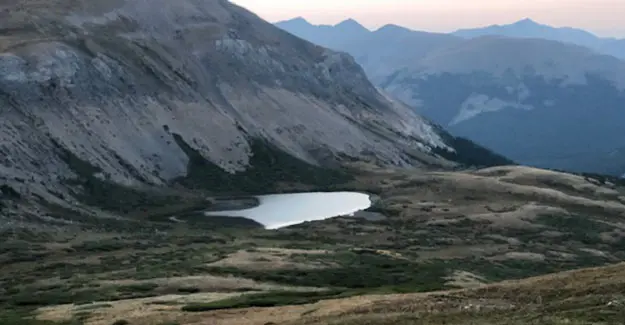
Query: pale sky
602,17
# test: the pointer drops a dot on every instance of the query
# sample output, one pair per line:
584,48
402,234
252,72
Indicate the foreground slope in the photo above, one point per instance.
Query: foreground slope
584,297
539,102
432,231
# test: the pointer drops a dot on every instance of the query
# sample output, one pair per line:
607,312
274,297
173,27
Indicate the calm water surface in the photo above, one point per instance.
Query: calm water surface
283,210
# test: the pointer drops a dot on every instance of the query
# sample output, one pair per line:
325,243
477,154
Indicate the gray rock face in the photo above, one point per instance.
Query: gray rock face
113,81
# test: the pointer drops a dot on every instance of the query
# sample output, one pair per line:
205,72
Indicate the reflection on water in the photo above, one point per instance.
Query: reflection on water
282,210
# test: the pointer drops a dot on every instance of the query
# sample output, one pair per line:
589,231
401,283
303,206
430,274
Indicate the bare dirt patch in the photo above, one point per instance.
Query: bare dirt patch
464,279
519,218
525,256
141,311
208,283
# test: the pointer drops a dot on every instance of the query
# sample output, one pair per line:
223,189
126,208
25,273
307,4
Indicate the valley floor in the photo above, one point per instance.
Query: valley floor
439,256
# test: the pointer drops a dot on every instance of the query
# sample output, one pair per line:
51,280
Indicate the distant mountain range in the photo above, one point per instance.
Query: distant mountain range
528,28
350,30
541,101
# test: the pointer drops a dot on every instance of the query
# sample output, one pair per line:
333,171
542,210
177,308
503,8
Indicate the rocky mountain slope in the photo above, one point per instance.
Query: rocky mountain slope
528,28
138,92
529,99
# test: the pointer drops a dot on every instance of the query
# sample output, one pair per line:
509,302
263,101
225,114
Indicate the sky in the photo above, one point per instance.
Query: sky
602,17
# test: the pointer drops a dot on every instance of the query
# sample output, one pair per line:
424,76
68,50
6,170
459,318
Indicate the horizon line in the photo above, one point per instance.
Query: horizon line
622,37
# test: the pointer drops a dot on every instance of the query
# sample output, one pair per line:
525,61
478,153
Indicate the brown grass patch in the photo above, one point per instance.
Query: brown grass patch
464,279
270,259
523,256
153,310
209,283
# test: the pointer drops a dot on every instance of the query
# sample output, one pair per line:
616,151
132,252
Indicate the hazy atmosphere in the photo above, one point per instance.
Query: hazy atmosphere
603,17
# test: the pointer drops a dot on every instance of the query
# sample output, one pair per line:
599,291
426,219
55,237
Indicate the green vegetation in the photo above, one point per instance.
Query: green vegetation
355,271
189,290
15,318
121,322
471,154
269,166
269,299
577,228
434,231
8,192
98,192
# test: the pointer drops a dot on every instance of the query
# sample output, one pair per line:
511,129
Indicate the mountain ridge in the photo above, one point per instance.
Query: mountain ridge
123,122
504,81
121,94
524,28
529,28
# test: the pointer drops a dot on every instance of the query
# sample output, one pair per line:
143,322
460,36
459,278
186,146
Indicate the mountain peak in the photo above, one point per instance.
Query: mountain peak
351,24
296,21
526,21
393,28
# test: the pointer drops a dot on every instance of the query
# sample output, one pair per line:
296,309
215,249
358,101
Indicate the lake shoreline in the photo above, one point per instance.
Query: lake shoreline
231,203
281,210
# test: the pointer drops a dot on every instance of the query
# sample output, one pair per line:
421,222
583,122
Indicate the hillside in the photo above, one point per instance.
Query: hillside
558,299
103,96
528,28
440,231
124,121
529,99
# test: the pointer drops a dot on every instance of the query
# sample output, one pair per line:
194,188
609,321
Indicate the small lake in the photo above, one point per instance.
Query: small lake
282,210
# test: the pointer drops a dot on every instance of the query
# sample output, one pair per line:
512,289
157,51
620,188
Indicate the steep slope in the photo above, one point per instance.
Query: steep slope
528,28
528,98
139,92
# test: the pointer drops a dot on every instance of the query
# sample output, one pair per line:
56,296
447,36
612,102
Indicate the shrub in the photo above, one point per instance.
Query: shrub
140,287
270,299
189,290
121,322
